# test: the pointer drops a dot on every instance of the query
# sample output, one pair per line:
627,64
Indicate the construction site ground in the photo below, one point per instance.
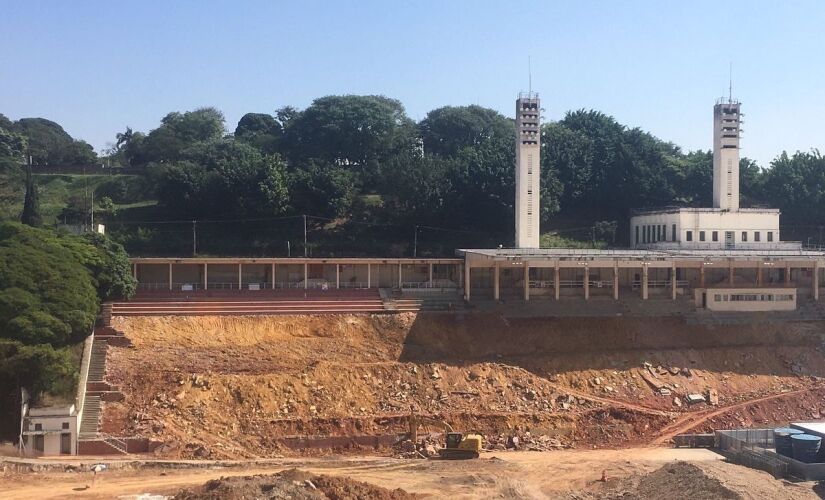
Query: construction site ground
232,387
576,474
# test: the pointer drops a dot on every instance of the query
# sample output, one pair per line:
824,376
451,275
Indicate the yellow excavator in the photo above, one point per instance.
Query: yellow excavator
459,446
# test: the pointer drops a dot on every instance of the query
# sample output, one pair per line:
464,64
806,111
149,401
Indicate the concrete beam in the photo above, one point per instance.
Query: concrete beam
556,282
673,282
644,283
526,281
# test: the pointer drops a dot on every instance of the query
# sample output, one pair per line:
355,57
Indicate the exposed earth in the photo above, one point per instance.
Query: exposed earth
576,474
213,387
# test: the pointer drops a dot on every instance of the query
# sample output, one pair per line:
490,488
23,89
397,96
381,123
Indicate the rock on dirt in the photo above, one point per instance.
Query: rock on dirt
677,480
293,484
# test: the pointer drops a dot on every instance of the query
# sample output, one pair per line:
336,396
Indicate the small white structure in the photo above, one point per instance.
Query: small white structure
50,431
528,175
725,226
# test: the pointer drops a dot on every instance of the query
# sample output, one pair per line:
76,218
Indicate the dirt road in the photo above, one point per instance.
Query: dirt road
512,474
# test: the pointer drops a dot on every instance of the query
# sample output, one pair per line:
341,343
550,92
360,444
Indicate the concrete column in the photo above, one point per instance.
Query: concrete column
496,283
337,276
616,281
399,276
787,274
466,280
556,282
134,270
431,275
644,283
702,276
758,274
526,281
205,276
369,275
731,273
586,283
306,275
673,282
240,276
272,277
815,280
170,276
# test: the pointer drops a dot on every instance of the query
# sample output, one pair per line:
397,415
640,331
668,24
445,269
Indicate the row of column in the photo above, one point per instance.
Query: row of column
643,286
306,275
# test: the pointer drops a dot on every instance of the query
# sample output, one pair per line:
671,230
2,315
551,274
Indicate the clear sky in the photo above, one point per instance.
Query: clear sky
96,67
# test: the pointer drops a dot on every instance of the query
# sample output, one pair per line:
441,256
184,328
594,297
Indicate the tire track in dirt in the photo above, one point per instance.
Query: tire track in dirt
693,420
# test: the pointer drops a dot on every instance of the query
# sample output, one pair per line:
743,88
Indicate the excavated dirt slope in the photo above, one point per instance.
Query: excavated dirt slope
224,387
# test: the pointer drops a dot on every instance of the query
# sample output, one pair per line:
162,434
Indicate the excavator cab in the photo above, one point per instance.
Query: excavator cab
460,446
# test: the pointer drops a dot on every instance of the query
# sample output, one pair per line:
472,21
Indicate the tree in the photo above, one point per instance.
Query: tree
261,131
31,205
225,177
325,190
49,144
446,131
354,132
181,131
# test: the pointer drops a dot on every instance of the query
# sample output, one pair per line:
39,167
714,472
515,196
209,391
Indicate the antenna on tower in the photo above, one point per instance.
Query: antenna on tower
730,82
529,75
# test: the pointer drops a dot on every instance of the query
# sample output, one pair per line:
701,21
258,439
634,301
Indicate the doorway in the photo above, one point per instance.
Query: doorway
729,242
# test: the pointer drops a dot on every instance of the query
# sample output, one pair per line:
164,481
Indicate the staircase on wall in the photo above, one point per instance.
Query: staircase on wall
89,433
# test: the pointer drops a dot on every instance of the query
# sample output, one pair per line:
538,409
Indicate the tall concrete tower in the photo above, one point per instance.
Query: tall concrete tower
726,132
528,175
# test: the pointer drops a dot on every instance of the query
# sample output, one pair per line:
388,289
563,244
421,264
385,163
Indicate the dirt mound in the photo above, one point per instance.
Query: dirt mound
676,480
293,484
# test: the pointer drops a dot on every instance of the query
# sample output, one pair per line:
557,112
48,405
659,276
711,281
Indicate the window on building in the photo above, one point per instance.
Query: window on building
688,235
770,235
673,232
744,236
38,443
756,236
38,427
65,425
701,236
664,232
658,232
637,235
715,235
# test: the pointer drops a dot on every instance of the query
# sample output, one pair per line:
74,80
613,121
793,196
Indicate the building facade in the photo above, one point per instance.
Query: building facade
528,170
725,225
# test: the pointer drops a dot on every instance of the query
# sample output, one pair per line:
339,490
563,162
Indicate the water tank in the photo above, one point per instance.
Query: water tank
782,440
805,447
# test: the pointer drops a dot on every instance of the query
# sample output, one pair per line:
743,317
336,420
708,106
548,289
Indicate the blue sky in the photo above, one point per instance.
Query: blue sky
96,67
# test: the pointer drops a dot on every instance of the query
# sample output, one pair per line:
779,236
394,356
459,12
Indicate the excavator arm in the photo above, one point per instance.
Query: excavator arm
418,420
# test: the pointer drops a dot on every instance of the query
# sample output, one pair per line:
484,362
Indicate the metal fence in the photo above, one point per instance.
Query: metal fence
749,447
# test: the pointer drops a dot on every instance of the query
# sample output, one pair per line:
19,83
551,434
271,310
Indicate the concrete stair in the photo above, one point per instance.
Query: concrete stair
264,302
91,418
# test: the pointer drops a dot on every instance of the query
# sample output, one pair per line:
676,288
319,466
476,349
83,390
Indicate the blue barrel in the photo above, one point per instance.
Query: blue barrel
805,447
782,440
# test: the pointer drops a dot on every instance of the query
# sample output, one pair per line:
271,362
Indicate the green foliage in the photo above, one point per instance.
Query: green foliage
31,204
324,190
179,132
225,177
47,297
49,144
38,367
261,131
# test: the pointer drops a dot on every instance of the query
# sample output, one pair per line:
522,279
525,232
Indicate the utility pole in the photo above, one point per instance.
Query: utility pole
305,235
194,238
415,242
